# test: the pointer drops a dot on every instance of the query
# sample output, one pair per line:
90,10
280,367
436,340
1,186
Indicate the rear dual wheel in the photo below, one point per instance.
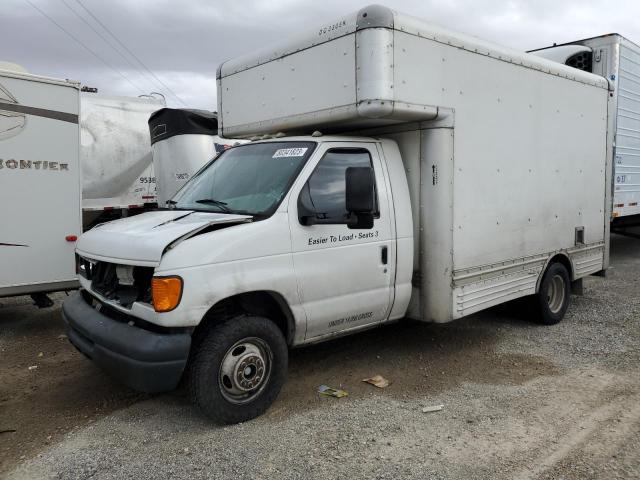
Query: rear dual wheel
552,300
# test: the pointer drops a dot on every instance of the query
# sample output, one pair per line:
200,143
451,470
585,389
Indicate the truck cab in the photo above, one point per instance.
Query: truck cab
269,229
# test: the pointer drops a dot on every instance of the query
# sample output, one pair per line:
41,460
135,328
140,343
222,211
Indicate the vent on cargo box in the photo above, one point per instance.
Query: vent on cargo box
581,61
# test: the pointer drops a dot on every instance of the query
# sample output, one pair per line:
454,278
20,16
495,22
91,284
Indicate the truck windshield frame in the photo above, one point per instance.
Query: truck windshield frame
250,179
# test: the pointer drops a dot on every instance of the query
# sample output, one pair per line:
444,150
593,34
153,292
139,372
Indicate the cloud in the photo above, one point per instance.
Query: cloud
183,42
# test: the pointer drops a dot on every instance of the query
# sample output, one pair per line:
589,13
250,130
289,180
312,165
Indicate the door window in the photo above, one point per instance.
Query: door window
324,194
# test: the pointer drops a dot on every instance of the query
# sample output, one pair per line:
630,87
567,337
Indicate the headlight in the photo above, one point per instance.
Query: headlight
166,293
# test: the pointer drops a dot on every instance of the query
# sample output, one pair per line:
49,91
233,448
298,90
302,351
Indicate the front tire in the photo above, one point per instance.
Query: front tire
238,369
552,300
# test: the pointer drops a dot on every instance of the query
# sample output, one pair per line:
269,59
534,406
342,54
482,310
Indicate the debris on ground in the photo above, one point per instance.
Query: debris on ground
33,367
377,381
331,392
434,408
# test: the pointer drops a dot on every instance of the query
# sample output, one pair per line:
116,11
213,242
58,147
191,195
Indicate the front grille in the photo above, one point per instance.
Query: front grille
123,284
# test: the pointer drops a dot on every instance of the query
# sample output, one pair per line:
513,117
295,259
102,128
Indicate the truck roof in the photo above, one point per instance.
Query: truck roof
377,68
378,16
320,138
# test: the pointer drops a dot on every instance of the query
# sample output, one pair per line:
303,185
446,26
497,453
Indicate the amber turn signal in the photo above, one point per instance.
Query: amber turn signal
166,293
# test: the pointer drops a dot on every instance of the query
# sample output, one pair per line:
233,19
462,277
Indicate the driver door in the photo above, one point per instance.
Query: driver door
344,274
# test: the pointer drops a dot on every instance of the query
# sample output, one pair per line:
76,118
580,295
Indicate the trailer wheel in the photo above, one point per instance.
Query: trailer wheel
238,369
552,300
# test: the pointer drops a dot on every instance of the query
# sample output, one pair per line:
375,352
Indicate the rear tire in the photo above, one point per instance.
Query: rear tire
238,369
552,300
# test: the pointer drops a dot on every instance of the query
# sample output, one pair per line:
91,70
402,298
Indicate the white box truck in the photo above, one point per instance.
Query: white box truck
182,141
398,169
617,59
68,160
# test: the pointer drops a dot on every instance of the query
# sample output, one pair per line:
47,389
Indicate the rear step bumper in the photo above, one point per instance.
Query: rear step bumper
144,360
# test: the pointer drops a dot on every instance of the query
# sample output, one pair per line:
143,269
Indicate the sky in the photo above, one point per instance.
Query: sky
183,41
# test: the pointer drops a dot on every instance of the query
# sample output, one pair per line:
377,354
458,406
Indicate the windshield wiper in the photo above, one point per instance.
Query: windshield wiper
218,203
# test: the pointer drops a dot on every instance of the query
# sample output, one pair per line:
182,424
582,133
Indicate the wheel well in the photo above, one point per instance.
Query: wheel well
263,303
559,258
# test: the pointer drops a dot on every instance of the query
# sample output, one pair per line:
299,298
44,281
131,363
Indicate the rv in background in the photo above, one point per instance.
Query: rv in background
618,60
68,160
182,141
40,184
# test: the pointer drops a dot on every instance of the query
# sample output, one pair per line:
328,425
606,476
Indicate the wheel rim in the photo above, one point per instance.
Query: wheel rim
245,370
556,293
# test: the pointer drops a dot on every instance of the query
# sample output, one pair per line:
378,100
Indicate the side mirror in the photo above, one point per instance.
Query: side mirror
360,193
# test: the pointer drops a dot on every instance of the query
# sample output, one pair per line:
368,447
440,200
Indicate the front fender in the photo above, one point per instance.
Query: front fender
207,285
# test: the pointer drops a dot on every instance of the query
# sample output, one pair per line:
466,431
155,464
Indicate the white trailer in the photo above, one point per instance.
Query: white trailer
398,169
68,159
617,59
115,152
40,187
182,141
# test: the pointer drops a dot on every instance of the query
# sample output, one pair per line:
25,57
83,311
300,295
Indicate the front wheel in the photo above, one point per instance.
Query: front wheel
238,369
552,300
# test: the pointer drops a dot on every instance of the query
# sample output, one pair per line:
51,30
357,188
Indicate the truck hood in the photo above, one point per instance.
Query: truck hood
142,239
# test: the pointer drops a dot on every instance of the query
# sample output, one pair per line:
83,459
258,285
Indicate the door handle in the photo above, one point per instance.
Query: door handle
384,256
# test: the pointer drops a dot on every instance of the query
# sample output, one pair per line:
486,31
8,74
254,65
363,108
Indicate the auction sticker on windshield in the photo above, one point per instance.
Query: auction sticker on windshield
290,152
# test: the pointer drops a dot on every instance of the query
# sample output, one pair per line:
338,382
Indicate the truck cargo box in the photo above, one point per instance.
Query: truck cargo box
506,153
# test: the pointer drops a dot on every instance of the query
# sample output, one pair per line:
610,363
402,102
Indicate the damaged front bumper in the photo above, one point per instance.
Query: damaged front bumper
145,360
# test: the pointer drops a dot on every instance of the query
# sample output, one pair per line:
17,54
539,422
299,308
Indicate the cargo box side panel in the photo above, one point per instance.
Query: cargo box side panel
627,152
437,167
276,95
530,150
39,186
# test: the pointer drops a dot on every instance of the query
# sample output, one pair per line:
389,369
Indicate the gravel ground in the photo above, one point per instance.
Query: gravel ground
520,401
